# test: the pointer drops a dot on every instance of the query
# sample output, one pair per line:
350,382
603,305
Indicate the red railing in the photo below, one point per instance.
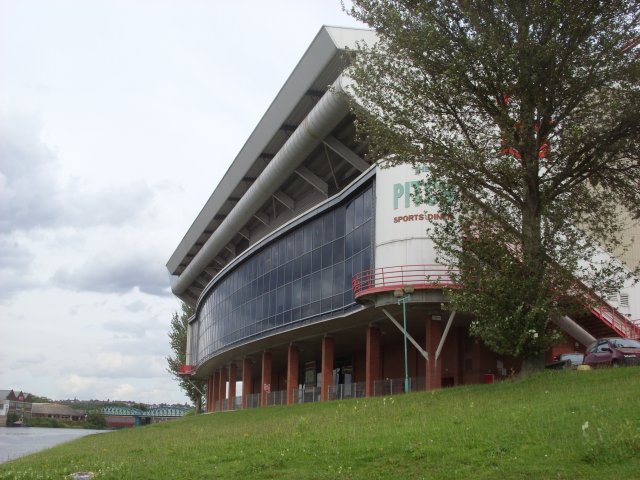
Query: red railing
609,315
425,277
187,370
420,277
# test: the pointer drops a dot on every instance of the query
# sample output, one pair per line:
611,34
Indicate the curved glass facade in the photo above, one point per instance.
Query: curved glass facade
302,275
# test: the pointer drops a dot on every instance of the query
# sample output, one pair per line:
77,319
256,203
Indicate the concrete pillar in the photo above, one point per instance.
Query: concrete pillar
265,384
246,381
327,368
293,365
208,398
434,369
210,394
372,360
216,386
222,388
233,376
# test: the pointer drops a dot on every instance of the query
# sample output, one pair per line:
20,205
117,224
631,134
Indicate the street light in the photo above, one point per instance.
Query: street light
403,295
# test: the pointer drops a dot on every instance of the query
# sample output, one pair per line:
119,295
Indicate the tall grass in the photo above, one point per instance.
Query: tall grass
560,425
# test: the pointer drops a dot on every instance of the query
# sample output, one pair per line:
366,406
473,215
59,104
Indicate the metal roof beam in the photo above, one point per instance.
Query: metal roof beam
331,109
220,261
346,153
284,199
313,180
211,271
189,295
264,218
245,233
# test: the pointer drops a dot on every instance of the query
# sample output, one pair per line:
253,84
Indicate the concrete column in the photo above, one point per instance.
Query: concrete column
434,368
214,390
265,385
293,365
372,360
208,399
210,394
327,368
222,388
233,376
246,381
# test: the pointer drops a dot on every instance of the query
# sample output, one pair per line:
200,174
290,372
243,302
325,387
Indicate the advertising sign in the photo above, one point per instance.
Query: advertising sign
401,222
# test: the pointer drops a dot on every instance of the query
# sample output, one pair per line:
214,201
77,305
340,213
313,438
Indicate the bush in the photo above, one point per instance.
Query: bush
12,417
44,422
96,420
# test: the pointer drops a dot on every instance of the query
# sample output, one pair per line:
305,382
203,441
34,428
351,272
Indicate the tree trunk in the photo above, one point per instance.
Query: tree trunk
531,365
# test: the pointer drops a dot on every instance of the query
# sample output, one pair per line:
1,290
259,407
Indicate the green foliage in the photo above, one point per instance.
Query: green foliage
44,422
12,417
527,117
96,420
532,428
194,389
39,399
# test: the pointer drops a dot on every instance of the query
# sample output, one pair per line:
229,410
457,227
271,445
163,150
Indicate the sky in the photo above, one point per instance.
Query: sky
117,120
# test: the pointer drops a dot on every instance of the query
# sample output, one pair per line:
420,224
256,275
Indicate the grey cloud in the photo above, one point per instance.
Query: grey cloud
28,194
107,274
29,363
110,206
15,260
13,254
127,328
32,195
116,365
137,306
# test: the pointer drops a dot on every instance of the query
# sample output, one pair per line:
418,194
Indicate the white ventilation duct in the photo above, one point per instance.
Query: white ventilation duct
576,331
322,119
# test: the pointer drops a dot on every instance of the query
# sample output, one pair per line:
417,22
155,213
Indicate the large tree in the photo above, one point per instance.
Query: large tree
527,116
194,389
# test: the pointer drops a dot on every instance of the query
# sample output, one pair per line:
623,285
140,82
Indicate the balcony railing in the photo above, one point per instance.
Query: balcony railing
610,316
420,277
424,277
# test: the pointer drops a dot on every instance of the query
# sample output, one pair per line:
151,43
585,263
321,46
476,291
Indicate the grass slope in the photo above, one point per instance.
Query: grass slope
560,425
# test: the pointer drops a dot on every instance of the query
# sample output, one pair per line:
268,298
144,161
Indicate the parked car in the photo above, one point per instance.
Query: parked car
566,361
613,351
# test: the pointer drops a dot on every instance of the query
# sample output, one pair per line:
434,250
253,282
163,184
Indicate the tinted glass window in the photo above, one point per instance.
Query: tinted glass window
304,274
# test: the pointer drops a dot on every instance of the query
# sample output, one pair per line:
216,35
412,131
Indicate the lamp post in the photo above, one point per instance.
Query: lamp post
403,300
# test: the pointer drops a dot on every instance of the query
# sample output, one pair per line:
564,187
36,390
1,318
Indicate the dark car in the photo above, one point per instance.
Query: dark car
566,361
613,351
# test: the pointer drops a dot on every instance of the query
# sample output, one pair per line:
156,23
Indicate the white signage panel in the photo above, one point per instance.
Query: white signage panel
401,224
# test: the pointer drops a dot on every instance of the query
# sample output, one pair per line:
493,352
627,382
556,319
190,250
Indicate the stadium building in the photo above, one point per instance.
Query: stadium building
307,262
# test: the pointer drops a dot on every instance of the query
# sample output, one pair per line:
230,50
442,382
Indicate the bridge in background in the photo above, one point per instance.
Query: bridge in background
118,417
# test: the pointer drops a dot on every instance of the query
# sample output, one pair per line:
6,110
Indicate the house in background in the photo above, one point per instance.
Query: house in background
56,411
10,402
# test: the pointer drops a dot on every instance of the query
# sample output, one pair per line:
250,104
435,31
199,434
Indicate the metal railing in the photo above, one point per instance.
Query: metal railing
395,386
390,278
617,321
424,277
608,314
336,392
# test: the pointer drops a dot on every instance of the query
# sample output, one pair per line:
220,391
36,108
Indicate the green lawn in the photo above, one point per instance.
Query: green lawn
560,425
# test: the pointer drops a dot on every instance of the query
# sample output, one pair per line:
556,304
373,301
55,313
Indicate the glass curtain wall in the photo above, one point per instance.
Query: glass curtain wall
303,275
